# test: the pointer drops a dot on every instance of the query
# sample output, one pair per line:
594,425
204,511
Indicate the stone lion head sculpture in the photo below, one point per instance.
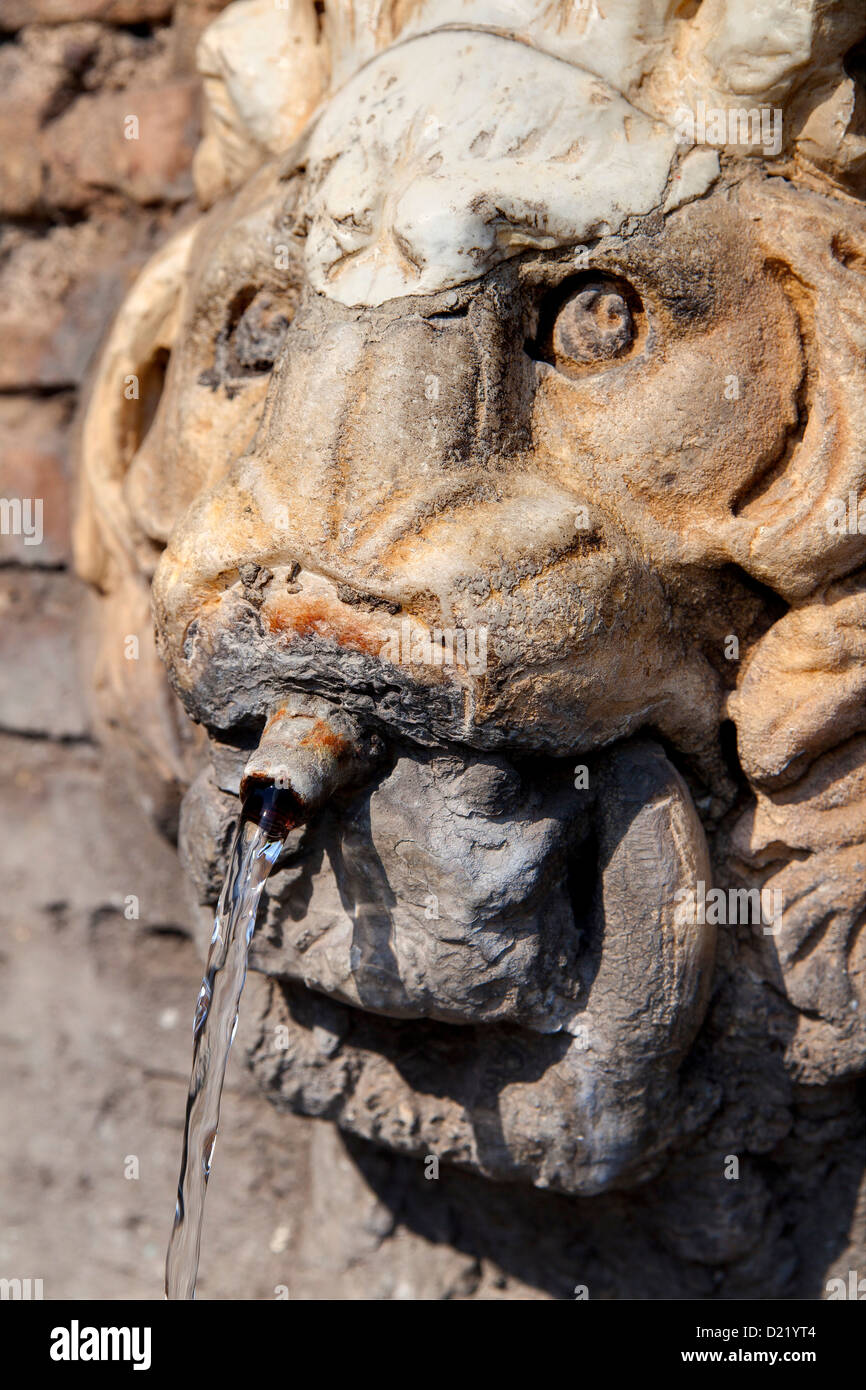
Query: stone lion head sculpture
508,394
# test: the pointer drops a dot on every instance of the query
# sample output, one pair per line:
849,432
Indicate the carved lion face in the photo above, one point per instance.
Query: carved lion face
513,431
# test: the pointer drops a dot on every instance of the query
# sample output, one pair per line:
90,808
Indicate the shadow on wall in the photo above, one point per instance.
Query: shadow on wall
680,1237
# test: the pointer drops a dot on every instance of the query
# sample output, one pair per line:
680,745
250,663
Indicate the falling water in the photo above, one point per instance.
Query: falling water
266,819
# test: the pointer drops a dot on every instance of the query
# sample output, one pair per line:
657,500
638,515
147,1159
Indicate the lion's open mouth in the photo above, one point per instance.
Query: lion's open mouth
462,667
519,894
465,881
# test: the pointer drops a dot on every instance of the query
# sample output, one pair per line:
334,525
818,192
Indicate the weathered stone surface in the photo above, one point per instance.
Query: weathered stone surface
138,143
104,1000
14,14
824,809
20,173
59,93
803,690
58,289
509,935
818,946
466,167
531,458
264,71
40,684
34,465
189,20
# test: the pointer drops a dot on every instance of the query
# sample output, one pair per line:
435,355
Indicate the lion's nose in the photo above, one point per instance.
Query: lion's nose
377,424
367,404
373,421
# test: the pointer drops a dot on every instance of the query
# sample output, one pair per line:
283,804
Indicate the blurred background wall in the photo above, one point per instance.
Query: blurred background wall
95,1001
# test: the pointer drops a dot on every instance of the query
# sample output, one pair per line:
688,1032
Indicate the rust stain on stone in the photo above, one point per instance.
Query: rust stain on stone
319,619
322,737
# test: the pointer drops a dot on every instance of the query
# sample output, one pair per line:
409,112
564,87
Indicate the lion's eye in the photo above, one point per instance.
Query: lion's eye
251,338
587,324
594,325
256,338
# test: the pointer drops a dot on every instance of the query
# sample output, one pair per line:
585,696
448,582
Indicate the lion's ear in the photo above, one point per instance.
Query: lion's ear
133,708
119,406
793,530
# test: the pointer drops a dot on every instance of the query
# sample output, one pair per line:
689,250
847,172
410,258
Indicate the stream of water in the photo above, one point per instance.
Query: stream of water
266,819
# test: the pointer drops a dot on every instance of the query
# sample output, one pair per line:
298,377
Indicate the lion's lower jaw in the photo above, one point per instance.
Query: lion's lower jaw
513,931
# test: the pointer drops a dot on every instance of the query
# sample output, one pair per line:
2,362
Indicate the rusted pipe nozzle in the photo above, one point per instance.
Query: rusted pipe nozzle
310,750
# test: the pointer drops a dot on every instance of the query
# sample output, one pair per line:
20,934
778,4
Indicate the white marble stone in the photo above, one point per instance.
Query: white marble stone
445,156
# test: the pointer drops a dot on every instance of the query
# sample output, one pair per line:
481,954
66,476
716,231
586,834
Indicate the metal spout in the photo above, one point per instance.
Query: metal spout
309,751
